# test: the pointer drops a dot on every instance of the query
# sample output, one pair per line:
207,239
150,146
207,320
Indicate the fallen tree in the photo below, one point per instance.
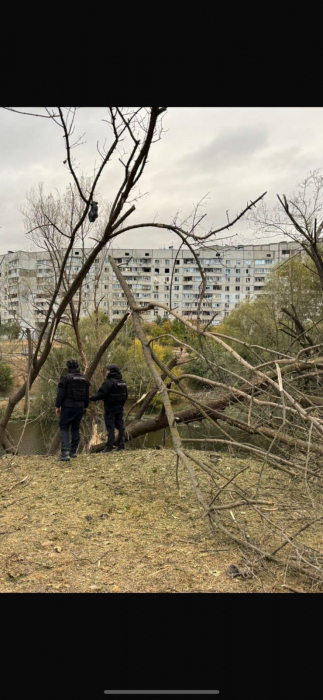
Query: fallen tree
293,419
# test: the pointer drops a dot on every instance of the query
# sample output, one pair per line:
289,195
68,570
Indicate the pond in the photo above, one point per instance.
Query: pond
37,436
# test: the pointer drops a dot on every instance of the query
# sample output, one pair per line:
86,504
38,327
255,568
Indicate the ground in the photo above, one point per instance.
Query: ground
117,522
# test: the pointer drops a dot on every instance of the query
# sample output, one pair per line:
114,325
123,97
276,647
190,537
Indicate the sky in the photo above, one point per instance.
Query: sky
226,155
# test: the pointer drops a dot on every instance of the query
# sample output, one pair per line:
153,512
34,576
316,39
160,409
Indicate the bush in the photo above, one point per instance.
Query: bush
10,330
6,378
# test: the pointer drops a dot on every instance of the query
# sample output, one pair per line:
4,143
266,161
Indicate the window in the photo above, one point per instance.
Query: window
228,270
166,270
227,306
226,313
237,289
157,262
284,252
237,279
259,269
259,279
147,255
166,296
166,279
227,296
247,272
218,255
248,263
227,262
258,288
156,269
176,279
77,252
268,255
167,262
177,262
176,296
176,287
238,263
260,262
248,279
247,289
167,287
188,261
237,296
227,289
156,296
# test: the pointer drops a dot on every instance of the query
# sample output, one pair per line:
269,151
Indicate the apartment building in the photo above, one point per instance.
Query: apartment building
169,276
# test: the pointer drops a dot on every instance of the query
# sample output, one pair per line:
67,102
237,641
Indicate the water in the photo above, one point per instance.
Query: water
37,437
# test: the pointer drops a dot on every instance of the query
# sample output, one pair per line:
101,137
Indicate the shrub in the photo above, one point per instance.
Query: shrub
6,377
10,330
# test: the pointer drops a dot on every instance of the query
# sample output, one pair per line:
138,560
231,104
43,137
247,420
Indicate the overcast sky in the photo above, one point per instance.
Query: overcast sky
234,154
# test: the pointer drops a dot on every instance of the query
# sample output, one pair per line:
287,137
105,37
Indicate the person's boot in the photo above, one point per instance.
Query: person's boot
121,447
73,453
64,456
108,449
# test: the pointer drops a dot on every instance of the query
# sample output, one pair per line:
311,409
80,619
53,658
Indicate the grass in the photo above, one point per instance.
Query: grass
107,523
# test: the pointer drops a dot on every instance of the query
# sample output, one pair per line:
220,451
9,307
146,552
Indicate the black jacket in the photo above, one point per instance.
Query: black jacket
111,403
65,396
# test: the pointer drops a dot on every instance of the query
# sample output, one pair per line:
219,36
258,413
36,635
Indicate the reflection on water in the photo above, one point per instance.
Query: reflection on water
37,437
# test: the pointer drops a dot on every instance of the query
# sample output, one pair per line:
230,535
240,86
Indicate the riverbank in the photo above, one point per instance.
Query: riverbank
115,523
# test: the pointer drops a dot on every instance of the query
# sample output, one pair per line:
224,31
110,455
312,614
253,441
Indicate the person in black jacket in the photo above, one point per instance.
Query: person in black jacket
72,401
114,393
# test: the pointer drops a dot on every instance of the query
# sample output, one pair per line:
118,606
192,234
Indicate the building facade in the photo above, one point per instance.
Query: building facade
169,276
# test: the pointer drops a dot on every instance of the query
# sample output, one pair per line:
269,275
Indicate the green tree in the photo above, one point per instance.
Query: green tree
11,330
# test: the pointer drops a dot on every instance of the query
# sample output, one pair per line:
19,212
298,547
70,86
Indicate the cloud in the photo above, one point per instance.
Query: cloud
235,154
230,147
285,158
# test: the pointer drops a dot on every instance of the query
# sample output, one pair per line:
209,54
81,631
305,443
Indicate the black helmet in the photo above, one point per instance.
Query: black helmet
72,364
113,367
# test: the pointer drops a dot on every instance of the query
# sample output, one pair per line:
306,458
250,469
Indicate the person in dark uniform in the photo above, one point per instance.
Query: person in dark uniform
72,401
114,394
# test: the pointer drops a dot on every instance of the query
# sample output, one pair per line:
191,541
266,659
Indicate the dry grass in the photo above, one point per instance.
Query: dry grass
116,522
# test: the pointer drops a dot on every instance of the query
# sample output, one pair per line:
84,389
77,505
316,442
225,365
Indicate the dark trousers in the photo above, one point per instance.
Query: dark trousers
112,421
70,418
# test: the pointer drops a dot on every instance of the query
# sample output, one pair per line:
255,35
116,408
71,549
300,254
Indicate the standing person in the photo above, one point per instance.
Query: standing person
114,393
72,401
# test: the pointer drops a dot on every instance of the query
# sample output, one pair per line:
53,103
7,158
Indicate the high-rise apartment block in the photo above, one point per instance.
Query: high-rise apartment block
233,274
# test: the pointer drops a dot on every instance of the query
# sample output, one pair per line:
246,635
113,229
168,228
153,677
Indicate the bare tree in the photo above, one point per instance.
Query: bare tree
124,124
131,124
299,217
